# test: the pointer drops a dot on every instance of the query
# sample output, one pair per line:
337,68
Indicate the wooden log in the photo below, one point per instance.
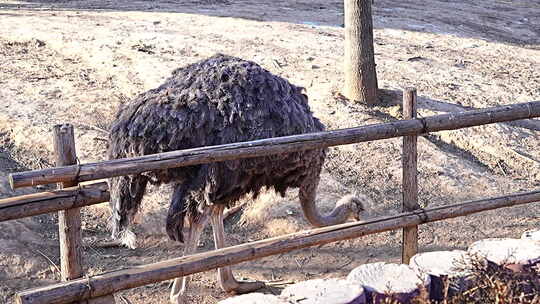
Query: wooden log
531,235
515,254
52,201
254,298
114,281
320,291
276,145
383,281
410,181
443,267
69,220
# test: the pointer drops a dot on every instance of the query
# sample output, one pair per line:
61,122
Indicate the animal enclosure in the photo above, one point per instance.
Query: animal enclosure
111,282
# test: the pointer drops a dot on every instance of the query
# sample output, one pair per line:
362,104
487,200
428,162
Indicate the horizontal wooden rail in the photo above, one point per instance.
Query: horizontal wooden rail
114,281
127,166
51,201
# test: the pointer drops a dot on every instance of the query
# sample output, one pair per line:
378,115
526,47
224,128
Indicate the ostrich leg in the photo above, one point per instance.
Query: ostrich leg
225,276
180,285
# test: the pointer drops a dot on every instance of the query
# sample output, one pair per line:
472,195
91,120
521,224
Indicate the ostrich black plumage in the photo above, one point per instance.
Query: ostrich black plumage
216,101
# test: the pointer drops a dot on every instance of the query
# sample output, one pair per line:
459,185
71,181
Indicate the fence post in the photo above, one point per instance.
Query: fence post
69,220
410,182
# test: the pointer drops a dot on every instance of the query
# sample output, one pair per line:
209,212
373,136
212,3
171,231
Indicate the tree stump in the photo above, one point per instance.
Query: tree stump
514,254
254,298
323,291
385,280
531,235
443,266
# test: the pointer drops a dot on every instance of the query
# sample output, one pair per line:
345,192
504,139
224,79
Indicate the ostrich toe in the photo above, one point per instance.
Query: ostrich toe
244,287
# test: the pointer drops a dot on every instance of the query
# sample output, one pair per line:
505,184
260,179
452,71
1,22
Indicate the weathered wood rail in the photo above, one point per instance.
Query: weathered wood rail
189,157
115,281
51,201
103,286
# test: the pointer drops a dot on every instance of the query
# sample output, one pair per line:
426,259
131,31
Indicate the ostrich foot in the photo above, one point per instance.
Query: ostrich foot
225,277
178,291
177,299
229,284
236,287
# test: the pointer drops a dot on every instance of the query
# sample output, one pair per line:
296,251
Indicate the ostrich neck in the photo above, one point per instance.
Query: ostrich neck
338,215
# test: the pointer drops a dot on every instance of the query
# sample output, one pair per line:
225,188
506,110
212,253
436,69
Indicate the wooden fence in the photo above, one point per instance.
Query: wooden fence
100,288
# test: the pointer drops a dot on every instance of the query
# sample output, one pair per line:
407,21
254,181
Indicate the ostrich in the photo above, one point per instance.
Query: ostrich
216,101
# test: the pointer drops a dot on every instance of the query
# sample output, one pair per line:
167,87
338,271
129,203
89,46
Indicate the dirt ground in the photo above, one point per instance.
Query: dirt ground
77,61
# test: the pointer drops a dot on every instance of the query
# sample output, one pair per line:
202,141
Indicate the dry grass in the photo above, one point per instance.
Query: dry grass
500,285
21,158
490,283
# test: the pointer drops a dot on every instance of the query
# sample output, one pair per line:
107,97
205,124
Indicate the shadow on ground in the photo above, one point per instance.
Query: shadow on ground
512,22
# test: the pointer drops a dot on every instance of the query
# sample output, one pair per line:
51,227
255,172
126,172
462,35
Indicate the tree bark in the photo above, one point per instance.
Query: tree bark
360,73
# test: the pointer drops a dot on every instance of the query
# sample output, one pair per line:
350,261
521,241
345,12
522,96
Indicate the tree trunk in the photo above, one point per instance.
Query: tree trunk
360,74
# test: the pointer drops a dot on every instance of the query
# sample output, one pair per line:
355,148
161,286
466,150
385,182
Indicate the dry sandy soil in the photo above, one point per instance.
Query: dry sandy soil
77,61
